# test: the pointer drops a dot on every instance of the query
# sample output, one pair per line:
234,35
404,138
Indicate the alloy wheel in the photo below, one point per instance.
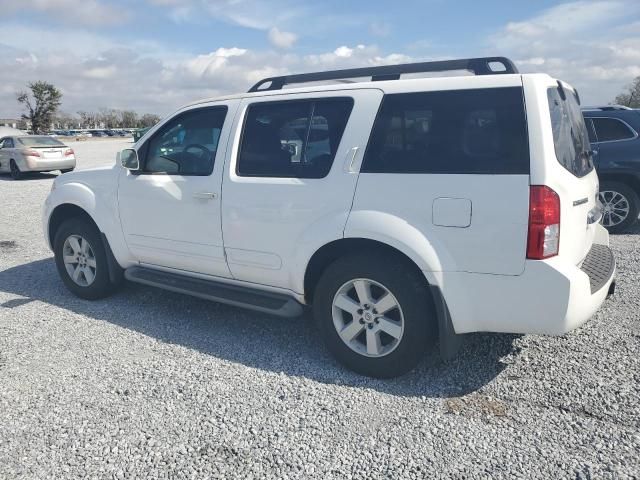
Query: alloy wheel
368,317
79,260
615,208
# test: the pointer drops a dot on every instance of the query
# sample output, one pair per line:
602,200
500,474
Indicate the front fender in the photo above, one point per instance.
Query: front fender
100,204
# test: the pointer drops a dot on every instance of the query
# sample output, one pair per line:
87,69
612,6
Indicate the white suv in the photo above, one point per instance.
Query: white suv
401,210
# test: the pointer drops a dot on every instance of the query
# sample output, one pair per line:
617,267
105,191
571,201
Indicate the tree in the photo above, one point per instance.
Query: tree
149,120
42,107
129,119
630,98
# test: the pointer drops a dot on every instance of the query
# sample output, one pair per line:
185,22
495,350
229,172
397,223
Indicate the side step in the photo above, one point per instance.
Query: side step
266,302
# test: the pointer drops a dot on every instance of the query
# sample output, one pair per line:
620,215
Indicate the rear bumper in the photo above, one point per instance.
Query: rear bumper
34,164
551,296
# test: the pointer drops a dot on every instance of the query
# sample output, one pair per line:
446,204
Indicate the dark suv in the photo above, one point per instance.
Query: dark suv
613,132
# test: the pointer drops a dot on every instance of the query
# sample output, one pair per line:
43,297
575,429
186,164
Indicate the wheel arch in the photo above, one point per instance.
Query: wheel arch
629,179
64,212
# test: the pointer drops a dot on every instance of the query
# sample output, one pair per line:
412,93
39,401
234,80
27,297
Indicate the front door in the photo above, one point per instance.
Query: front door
170,208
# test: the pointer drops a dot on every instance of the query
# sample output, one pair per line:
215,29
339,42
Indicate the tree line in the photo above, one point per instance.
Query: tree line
42,113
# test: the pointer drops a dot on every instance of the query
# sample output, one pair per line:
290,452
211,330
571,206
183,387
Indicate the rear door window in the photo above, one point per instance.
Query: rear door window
292,139
611,129
570,137
481,131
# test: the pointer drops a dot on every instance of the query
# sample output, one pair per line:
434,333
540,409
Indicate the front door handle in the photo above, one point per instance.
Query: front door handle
205,195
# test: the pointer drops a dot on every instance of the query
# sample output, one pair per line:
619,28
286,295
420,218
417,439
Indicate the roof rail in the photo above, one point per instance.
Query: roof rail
479,66
608,108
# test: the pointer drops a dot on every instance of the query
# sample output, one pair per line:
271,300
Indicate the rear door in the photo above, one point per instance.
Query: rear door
615,143
453,163
289,179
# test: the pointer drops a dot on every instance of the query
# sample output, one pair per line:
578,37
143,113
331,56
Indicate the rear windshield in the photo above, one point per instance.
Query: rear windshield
34,141
570,136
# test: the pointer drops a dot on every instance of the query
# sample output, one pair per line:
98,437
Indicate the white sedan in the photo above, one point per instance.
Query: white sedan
34,153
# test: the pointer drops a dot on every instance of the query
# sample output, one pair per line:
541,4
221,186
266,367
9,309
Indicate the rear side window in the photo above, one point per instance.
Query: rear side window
611,129
292,139
482,131
570,137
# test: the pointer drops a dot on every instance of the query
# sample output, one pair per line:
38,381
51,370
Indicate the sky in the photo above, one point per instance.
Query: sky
152,56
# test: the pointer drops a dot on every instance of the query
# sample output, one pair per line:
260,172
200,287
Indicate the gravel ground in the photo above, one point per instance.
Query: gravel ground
149,384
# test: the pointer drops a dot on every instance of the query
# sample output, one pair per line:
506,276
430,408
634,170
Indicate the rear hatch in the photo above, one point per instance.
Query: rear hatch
570,172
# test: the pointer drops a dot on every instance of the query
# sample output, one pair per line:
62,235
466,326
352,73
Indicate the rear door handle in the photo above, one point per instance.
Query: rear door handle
205,195
351,160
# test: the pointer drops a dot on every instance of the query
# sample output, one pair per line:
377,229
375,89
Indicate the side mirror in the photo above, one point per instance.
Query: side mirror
129,159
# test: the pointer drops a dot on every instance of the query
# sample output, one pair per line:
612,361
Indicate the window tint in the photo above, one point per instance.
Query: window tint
296,139
611,129
570,137
187,144
458,131
590,131
8,143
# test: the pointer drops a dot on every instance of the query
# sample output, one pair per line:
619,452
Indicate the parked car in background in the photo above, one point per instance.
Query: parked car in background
98,133
34,153
139,133
613,133
402,210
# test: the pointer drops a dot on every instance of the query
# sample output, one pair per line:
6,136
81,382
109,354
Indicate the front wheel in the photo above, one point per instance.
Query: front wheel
375,314
621,206
81,259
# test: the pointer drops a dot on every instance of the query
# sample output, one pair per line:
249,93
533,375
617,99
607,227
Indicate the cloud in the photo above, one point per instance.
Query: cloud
85,12
281,39
586,43
110,75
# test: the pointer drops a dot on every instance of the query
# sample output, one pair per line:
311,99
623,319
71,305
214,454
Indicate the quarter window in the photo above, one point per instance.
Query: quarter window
292,139
459,131
187,144
611,129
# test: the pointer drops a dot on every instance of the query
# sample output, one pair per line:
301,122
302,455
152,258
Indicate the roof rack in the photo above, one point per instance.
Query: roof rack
608,108
479,66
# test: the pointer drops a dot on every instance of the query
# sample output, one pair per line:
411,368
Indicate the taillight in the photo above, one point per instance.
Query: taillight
544,223
68,152
31,153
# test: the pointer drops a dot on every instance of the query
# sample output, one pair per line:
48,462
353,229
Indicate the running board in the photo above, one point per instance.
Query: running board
266,302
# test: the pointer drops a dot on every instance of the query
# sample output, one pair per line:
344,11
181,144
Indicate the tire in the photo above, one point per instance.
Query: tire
16,174
619,200
415,315
95,259
67,170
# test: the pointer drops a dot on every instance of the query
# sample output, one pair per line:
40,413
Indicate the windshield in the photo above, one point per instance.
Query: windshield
43,141
570,137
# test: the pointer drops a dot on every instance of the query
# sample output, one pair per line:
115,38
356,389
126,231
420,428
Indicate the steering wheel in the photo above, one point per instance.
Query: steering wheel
202,148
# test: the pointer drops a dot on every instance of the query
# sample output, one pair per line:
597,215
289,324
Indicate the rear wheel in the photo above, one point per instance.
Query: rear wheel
621,206
375,314
81,259
16,174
